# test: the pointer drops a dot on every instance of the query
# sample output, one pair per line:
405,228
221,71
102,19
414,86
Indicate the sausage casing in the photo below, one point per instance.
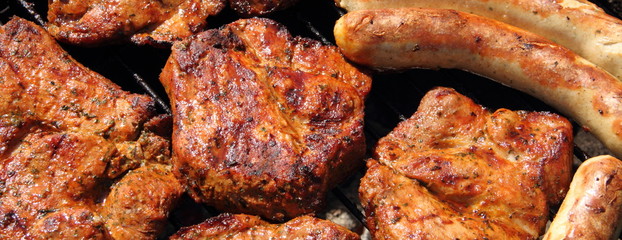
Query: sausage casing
593,204
578,25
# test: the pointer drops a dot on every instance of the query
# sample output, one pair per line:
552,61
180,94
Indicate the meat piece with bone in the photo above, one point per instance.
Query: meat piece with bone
454,170
264,123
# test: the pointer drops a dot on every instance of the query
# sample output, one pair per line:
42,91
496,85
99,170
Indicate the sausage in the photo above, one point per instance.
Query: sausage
593,204
439,38
576,24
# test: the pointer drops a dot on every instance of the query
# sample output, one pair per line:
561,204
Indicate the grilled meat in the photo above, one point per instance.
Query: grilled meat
97,22
139,203
259,7
407,38
455,170
158,23
242,226
67,134
592,208
264,123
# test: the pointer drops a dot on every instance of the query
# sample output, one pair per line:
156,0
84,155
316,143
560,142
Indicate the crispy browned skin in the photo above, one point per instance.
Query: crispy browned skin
454,170
259,7
264,123
439,38
242,226
593,206
67,133
99,22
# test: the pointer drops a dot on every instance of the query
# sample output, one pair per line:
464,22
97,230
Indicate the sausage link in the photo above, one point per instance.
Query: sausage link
578,25
593,204
438,38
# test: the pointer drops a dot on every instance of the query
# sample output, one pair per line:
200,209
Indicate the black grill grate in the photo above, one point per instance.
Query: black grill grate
394,96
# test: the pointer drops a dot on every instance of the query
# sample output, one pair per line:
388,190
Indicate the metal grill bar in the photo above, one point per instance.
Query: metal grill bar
29,7
350,205
165,106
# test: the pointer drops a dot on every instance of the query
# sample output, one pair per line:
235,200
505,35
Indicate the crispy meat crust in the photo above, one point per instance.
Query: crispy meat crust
455,170
158,23
241,226
41,81
101,22
264,123
138,204
259,7
66,134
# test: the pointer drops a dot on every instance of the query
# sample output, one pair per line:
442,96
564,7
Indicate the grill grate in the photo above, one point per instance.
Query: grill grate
394,96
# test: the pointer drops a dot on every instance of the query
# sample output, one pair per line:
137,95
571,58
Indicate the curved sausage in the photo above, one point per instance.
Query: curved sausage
438,38
578,25
593,204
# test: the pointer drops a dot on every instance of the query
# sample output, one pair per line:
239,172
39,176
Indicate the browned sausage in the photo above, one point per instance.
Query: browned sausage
437,38
578,25
593,204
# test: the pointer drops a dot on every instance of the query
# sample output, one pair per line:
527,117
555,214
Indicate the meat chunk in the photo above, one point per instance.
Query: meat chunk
259,7
455,170
158,23
242,226
67,134
42,177
264,123
97,22
149,193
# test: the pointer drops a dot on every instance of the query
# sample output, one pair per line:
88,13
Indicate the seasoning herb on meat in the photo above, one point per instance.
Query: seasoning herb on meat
66,135
242,226
454,170
264,123
101,22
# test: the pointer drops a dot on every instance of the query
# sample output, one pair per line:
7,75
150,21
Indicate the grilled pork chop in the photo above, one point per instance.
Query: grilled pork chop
242,226
454,170
97,22
264,123
66,135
